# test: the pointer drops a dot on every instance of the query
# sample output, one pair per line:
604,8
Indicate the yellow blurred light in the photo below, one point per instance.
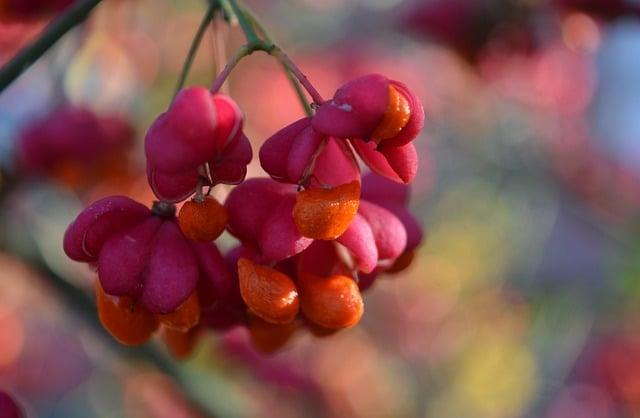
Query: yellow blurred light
497,377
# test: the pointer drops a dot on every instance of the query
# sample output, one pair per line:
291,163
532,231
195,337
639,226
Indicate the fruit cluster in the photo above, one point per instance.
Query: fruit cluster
312,236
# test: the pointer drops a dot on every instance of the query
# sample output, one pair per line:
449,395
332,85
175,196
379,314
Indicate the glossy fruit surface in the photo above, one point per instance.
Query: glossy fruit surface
202,221
268,293
331,302
395,117
185,317
326,213
129,322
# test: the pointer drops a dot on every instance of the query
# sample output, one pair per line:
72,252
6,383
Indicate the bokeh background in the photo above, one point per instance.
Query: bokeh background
524,301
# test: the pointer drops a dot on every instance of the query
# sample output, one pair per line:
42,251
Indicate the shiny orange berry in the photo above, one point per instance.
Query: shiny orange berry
185,317
269,294
267,337
129,322
402,262
332,302
396,116
202,221
326,213
180,344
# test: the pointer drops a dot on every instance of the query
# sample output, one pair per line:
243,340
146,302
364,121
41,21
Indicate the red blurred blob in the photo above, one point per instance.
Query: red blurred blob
75,146
30,9
470,26
8,406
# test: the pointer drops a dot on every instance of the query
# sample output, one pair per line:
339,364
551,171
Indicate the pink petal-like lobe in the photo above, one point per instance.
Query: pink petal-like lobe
230,166
172,271
356,109
95,224
388,231
123,258
336,165
279,236
172,187
184,136
216,274
250,204
397,163
360,242
274,153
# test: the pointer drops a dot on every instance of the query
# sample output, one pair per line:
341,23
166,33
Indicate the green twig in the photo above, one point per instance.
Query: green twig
73,16
243,19
195,44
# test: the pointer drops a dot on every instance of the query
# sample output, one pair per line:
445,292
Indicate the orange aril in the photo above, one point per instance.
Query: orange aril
129,322
267,337
185,317
180,344
395,118
326,213
202,221
268,293
332,302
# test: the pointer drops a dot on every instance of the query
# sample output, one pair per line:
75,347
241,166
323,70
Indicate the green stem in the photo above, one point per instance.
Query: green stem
195,44
244,21
73,16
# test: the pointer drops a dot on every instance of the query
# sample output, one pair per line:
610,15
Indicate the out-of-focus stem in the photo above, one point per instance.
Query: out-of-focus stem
242,52
195,44
71,17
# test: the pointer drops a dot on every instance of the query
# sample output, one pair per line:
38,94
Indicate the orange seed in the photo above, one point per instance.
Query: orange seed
268,293
332,302
180,344
185,317
396,116
326,213
202,221
129,322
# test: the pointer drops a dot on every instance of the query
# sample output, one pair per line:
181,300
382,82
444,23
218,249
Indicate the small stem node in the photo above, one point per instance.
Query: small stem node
163,209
